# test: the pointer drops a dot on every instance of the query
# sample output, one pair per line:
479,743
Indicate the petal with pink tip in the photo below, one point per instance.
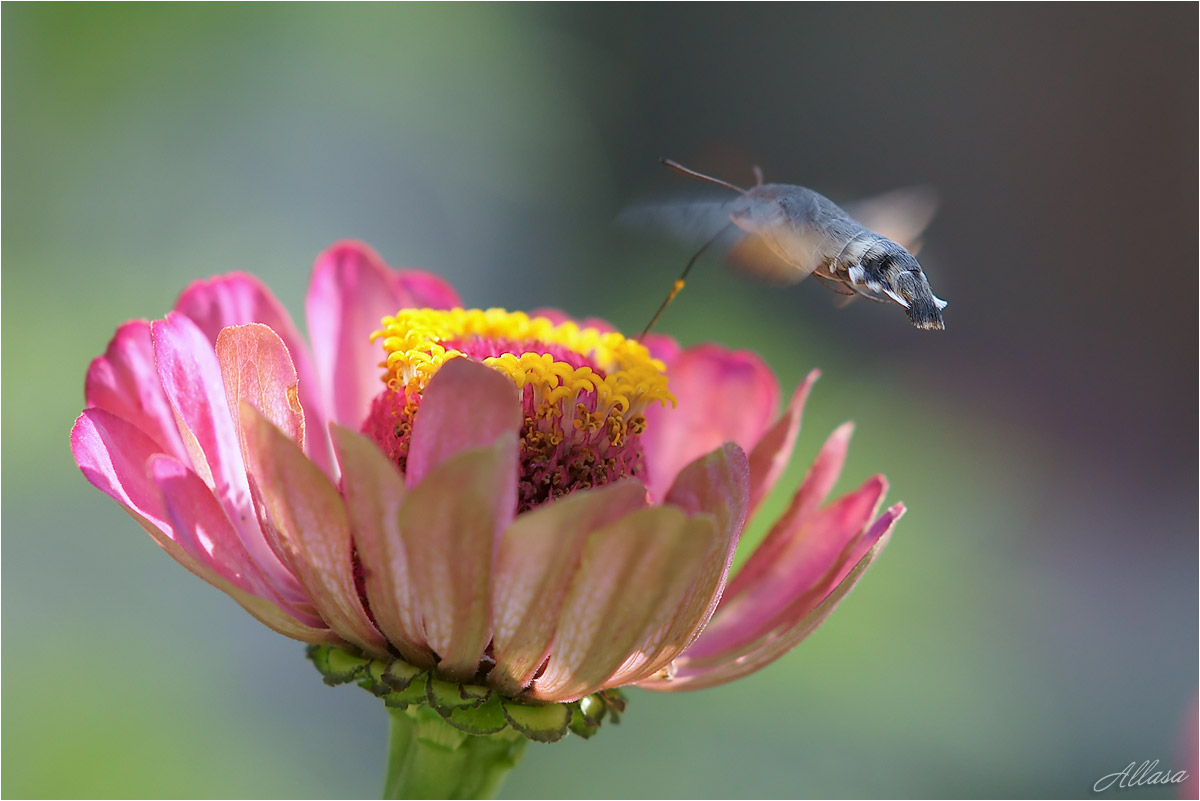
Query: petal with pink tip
722,396
124,381
631,582
374,491
813,549
465,405
450,523
256,368
537,558
191,378
239,298
702,674
817,484
716,485
200,524
771,454
311,519
114,455
213,542
352,290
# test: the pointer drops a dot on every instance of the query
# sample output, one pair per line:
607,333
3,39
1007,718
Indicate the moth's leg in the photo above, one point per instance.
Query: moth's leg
834,285
846,294
842,301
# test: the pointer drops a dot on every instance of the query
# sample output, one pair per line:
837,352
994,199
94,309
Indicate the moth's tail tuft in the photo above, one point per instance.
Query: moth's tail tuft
924,309
926,316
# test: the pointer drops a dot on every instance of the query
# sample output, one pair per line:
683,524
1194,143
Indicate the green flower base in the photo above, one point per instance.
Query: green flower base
471,709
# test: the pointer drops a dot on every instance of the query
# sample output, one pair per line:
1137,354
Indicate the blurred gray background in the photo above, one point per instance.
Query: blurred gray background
1033,625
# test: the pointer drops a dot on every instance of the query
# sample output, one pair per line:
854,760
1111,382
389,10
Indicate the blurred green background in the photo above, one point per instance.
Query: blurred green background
1033,625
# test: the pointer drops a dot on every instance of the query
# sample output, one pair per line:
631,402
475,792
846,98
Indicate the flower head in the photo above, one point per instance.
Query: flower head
534,508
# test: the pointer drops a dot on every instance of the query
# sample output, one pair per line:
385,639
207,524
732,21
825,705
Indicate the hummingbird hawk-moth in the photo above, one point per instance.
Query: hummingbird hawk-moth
784,233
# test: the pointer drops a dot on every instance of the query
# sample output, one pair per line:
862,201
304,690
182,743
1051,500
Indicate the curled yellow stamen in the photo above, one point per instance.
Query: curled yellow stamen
413,341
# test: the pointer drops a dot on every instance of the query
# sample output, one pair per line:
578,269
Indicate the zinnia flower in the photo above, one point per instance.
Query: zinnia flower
531,509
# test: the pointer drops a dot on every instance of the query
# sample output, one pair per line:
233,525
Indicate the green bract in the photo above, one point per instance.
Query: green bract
471,708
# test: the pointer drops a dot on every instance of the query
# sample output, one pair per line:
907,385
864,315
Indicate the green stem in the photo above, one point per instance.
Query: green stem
429,758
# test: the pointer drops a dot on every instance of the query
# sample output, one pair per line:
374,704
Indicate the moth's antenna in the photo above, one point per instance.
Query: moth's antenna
677,167
679,282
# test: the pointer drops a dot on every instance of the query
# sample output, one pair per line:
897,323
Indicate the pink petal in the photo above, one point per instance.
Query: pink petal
771,454
124,381
631,582
112,453
374,491
813,549
821,477
662,347
238,299
465,405
235,299
537,558
418,289
191,378
449,524
722,396
708,673
308,513
558,317
715,485
256,368
352,290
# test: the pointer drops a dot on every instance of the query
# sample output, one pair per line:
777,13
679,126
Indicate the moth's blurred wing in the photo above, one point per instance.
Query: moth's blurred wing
690,222
696,222
901,215
754,258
